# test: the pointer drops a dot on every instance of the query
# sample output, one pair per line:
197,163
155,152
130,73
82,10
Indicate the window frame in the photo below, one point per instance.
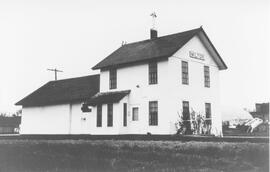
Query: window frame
153,113
110,115
206,70
124,114
113,78
185,74
186,115
133,116
153,73
99,116
208,113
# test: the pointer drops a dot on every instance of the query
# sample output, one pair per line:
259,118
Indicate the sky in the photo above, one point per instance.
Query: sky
74,35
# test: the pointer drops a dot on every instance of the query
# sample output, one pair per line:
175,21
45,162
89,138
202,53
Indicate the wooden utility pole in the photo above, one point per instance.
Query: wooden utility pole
55,72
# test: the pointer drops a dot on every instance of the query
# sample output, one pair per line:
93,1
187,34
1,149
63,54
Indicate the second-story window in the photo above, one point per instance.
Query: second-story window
152,73
113,79
184,72
206,76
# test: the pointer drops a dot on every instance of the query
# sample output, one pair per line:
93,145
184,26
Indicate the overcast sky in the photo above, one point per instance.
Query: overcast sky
74,35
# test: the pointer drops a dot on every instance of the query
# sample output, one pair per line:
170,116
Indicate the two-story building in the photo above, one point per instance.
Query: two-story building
143,88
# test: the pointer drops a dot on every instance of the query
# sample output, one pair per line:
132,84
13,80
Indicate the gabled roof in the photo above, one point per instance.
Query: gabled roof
63,91
107,97
153,49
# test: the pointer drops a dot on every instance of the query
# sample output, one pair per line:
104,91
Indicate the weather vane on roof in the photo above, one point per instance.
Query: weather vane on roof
154,16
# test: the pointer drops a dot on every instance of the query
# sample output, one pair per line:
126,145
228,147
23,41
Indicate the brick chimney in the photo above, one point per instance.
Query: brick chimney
153,34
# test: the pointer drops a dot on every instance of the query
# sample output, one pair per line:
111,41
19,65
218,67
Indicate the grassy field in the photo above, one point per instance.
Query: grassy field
108,155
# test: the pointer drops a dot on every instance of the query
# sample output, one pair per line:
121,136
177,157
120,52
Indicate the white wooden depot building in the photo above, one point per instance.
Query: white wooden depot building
142,88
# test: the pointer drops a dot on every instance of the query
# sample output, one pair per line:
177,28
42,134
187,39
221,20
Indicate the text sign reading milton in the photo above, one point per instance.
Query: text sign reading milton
195,55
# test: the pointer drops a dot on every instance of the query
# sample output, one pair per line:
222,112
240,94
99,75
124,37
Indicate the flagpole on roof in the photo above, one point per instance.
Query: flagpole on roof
154,16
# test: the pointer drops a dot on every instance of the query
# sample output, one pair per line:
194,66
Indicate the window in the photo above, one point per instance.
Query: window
110,115
113,78
135,114
184,72
99,116
152,73
206,76
124,114
208,115
186,115
153,113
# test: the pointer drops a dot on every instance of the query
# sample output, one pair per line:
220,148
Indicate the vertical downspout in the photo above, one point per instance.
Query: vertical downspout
70,120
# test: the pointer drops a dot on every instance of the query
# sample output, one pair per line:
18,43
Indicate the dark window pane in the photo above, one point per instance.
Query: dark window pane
206,76
110,115
113,79
99,115
153,113
184,72
152,73
125,115
208,115
186,115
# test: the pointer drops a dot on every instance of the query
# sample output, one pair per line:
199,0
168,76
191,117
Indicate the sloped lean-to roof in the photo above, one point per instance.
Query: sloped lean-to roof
157,48
107,97
63,91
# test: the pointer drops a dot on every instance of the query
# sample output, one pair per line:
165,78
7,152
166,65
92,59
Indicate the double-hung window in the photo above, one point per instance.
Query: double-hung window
186,115
153,77
99,115
206,76
113,78
153,113
135,114
208,115
184,72
109,115
125,114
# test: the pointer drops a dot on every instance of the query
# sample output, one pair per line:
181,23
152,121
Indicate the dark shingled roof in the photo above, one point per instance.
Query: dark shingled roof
157,48
107,97
63,91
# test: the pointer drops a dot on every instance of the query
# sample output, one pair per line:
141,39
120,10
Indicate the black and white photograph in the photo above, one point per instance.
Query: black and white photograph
134,86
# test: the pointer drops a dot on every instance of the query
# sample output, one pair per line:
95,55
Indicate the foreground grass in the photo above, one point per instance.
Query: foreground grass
109,155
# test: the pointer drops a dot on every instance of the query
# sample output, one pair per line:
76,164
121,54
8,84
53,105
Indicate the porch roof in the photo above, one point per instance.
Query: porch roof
107,97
